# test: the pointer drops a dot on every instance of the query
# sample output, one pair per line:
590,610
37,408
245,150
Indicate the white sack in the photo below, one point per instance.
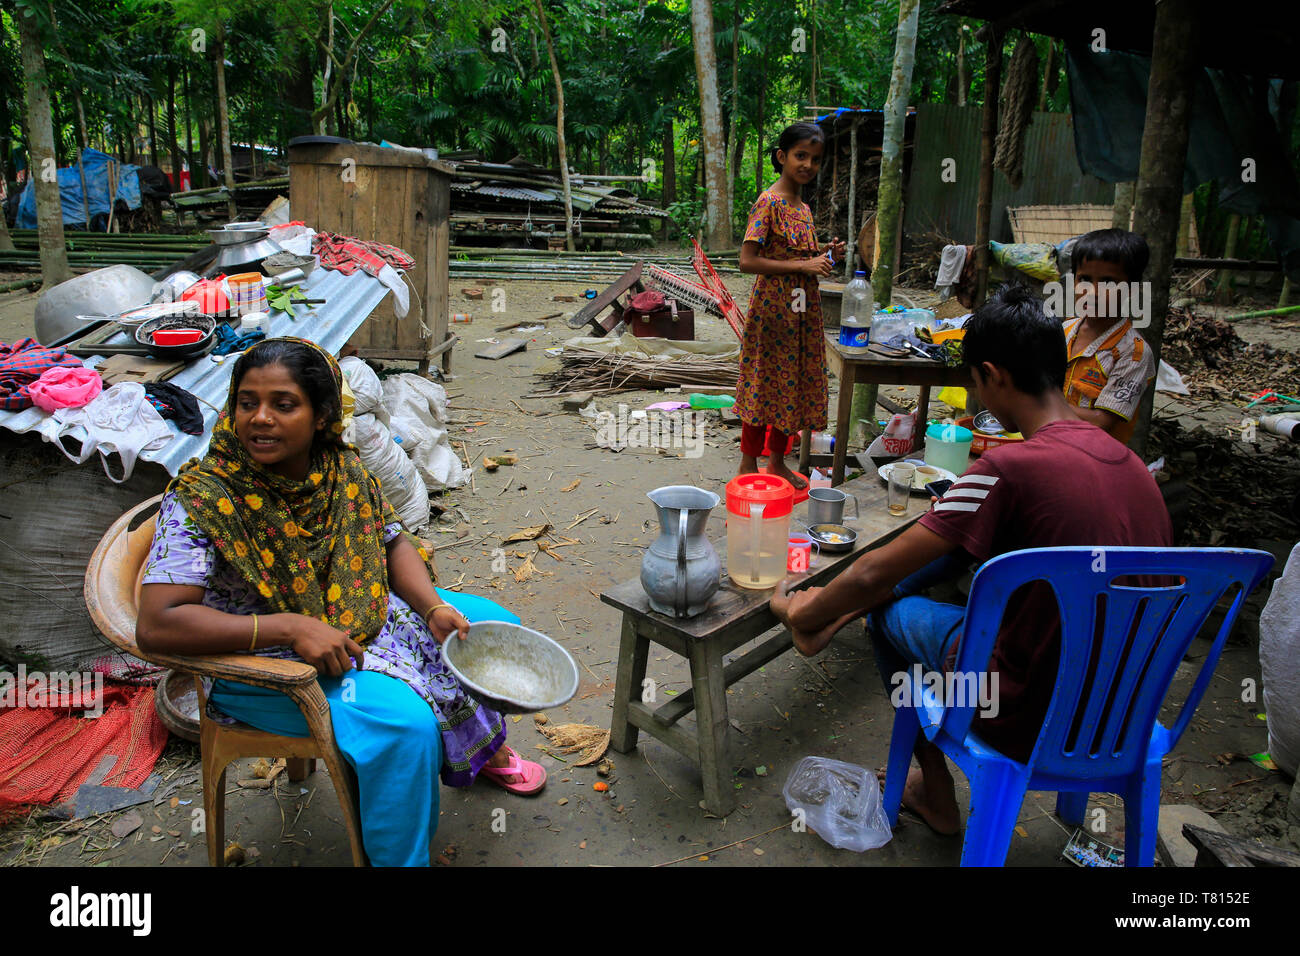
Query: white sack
1279,662
416,411
366,387
398,477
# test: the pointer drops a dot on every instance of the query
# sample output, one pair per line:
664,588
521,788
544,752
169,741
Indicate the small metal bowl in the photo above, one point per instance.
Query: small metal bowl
818,532
988,423
512,669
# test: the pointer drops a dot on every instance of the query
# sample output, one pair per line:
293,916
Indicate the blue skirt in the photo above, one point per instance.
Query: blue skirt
386,731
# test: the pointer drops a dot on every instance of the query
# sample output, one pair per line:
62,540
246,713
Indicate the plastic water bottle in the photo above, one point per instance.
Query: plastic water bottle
855,321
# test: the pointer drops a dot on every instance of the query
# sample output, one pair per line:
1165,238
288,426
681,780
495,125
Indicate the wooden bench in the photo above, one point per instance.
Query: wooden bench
735,616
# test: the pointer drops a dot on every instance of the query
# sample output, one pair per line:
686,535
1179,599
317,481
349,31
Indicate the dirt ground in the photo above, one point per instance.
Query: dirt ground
832,705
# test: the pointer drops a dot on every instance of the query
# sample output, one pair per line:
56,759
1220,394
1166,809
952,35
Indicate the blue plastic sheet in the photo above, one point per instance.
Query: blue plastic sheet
78,207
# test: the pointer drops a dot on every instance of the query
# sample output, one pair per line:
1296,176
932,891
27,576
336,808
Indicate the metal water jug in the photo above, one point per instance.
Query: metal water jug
680,570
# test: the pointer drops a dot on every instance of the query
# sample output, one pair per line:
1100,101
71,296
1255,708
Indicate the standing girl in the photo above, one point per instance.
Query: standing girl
782,353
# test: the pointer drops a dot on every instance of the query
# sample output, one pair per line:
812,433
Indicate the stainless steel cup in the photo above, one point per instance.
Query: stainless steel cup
826,506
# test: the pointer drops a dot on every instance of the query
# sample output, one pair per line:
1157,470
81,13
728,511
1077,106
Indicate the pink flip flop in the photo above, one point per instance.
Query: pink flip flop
534,775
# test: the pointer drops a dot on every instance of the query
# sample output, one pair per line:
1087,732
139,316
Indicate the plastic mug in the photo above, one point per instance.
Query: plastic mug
799,557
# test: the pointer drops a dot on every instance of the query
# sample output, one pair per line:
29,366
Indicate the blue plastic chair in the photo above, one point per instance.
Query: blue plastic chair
1099,735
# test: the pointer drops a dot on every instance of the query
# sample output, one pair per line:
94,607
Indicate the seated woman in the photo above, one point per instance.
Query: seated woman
279,542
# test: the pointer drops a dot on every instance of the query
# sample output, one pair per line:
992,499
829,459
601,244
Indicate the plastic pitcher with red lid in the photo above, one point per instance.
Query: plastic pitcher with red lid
758,529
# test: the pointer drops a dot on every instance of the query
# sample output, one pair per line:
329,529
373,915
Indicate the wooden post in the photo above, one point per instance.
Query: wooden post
992,37
1159,193
851,233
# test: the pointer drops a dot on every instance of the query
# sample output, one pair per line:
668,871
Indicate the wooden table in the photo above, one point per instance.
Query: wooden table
872,369
735,616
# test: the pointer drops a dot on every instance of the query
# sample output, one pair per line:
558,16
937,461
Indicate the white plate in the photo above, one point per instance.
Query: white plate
919,481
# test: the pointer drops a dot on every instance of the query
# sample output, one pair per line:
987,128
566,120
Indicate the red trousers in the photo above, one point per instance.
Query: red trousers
752,439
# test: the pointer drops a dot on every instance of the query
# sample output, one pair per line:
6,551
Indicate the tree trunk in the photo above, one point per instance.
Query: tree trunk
963,81
370,101
1185,217
40,152
6,243
559,127
812,78
734,120
1121,216
153,130
988,133
760,148
669,195
6,125
711,143
172,148
1223,284
1049,75
1160,173
890,195
223,117
199,177
189,131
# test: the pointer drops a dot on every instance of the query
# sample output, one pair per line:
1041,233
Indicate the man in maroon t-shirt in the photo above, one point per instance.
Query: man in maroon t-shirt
1068,484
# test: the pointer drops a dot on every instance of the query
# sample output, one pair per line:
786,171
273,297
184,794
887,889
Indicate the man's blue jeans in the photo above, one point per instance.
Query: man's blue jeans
916,630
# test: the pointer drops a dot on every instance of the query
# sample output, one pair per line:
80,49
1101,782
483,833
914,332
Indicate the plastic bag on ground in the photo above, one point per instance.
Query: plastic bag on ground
840,801
1168,380
415,410
399,479
1279,664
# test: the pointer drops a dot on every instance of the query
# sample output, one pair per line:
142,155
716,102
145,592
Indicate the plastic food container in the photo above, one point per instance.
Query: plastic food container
948,446
177,336
758,529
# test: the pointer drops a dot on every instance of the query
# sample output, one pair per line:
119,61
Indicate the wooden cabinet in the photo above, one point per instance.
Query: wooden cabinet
396,196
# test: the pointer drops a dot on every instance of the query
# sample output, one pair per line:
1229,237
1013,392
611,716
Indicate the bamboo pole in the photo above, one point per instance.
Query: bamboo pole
988,133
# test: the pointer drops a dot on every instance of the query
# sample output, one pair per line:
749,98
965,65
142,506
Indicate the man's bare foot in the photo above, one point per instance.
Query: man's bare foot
778,467
937,810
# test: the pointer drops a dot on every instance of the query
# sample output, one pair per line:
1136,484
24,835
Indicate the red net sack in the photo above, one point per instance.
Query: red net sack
47,750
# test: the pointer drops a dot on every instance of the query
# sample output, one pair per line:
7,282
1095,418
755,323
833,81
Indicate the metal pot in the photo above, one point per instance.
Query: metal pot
236,233
144,335
248,254
105,292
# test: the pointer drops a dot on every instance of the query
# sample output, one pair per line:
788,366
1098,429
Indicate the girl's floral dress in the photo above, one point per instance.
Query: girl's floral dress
783,353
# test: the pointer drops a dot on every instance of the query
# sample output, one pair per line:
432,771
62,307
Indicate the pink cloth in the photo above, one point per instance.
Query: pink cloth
65,388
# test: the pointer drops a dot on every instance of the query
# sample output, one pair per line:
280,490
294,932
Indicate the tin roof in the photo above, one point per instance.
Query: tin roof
349,300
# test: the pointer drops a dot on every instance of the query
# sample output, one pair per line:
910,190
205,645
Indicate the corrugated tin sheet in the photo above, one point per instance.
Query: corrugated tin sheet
349,302
518,192
1052,175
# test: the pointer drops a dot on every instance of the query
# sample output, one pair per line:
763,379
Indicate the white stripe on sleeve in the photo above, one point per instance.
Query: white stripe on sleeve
947,505
958,492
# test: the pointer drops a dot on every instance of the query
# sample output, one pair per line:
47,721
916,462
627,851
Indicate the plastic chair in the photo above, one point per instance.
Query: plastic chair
113,599
1120,648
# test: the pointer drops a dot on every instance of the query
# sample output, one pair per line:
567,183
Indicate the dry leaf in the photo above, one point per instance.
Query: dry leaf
528,534
573,484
